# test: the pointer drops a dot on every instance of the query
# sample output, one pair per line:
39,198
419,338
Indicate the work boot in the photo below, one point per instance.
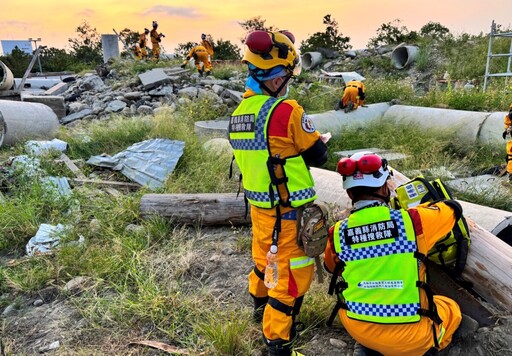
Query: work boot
281,347
208,73
200,72
349,107
259,308
510,178
337,106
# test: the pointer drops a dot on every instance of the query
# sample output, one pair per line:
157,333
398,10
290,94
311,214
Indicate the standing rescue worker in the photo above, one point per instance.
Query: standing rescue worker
207,44
353,96
156,38
143,53
274,143
200,55
508,129
384,300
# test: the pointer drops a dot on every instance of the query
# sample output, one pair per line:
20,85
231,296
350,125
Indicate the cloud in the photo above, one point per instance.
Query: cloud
87,13
187,12
13,24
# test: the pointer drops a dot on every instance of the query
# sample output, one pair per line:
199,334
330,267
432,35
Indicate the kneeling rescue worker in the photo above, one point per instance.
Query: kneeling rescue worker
508,131
354,95
200,55
274,143
384,301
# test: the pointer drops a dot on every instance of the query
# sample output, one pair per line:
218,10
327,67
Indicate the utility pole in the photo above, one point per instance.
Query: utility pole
35,40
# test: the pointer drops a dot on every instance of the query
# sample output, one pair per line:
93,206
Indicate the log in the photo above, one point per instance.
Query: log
193,209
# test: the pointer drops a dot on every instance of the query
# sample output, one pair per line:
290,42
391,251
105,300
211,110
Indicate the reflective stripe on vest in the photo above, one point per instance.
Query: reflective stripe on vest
299,262
378,244
248,137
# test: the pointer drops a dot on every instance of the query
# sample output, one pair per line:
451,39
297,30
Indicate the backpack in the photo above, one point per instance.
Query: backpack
451,251
313,232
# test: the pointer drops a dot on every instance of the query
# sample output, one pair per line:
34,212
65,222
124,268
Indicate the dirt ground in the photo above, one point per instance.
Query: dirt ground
56,322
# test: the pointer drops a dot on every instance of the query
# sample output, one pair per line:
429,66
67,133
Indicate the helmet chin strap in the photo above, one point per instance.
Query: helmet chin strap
267,89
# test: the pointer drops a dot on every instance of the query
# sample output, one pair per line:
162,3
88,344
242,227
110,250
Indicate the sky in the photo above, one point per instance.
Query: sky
55,21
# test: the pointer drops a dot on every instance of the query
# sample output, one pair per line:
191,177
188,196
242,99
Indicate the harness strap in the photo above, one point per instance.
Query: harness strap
283,308
337,270
432,309
338,306
258,273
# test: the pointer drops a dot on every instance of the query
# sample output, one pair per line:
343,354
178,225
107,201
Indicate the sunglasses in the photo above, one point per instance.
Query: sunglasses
367,164
262,42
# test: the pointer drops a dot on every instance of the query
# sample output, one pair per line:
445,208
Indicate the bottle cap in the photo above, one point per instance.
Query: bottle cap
273,249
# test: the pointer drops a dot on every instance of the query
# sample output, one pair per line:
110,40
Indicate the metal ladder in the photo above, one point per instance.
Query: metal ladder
490,55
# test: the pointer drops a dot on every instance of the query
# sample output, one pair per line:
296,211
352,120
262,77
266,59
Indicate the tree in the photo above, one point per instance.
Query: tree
392,33
17,61
255,23
226,50
56,60
183,48
86,48
330,39
434,30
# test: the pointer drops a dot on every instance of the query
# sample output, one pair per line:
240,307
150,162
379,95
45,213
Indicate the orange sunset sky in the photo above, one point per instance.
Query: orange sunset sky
54,21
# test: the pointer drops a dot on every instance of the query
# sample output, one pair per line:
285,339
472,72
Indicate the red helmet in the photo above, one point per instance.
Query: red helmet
363,169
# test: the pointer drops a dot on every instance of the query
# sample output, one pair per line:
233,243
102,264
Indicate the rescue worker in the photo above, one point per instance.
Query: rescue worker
353,96
384,301
207,43
274,143
508,129
143,53
200,56
156,38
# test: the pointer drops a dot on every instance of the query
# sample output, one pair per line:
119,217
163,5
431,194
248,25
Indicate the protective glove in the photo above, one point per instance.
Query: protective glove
184,65
504,135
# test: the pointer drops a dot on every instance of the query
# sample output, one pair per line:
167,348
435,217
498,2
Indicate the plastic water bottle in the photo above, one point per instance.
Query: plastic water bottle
271,269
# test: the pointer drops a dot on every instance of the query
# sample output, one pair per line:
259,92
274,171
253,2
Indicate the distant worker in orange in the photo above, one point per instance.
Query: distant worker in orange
143,38
353,96
156,38
508,130
206,42
200,55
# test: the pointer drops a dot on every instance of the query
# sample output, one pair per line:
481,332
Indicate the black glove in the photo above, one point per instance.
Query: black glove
504,135
184,65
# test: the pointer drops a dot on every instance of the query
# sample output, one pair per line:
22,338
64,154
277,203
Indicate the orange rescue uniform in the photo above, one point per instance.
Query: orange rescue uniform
354,92
155,42
200,55
287,137
431,224
143,53
508,123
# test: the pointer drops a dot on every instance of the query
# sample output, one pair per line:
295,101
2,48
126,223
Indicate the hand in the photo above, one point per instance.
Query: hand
325,137
504,135
183,65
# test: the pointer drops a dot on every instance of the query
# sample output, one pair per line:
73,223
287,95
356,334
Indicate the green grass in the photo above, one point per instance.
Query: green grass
142,281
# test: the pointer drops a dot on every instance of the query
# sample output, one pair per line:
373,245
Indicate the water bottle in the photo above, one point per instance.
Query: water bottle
271,269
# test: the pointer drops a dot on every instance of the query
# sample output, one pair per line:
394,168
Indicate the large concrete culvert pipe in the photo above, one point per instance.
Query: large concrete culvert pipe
402,56
6,77
20,121
311,59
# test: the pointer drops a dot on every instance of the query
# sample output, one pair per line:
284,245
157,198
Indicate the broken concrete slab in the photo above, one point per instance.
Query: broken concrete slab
488,185
55,102
57,89
154,78
234,95
76,116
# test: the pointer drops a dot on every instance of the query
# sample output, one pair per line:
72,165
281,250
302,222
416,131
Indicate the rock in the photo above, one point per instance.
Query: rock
77,284
134,95
189,92
339,344
54,345
92,82
115,106
145,110
38,302
9,310
77,116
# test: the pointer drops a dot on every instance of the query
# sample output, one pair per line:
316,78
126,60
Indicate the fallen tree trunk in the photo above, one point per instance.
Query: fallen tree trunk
192,209
488,266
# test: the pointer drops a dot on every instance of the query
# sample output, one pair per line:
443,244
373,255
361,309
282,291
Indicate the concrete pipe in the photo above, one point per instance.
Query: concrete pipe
6,77
311,59
20,121
402,56
335,121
